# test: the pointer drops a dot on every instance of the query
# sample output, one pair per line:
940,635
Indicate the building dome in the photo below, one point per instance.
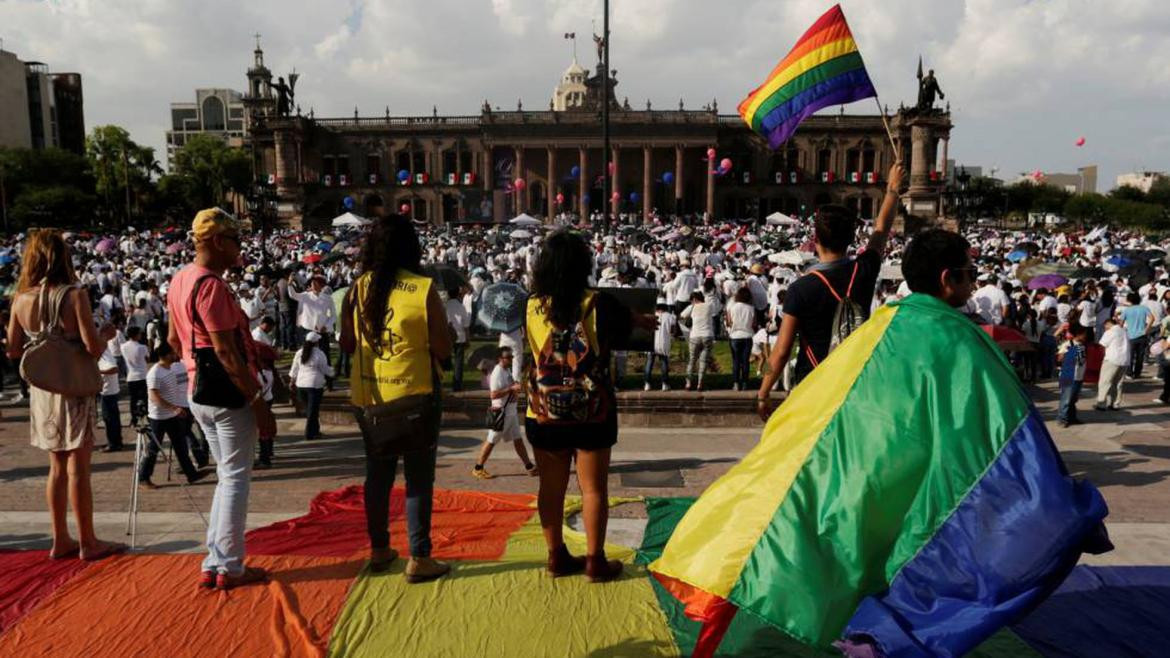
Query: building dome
570,93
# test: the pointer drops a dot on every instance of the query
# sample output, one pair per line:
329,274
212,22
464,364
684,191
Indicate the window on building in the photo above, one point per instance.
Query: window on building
824,160
420,162
343,165
449,162
402,162
465,158
328,165
374,166
214,116
869,160
852,160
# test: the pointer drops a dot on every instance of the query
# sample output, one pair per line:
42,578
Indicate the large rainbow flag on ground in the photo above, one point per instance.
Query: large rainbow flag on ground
824,68
907,492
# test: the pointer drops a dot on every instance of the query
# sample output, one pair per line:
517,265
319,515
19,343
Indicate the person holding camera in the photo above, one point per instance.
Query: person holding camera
211,334
166,413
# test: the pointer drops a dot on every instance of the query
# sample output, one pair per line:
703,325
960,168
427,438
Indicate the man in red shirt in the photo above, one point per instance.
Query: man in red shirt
220,325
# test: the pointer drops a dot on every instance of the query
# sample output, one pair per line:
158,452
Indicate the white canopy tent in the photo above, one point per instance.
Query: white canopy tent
780,219
349,219
524,219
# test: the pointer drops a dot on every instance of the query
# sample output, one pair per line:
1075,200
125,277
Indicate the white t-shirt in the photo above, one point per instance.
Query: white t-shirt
261,336
989,302
311,374
500,379
1116,345
700,317
742,318
109,382
459,319
135,354
162,379
664,334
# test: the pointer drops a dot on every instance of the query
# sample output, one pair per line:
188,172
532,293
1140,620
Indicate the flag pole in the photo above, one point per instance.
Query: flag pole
889,133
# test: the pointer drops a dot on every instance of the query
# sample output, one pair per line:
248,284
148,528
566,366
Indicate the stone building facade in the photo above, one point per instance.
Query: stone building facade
465,168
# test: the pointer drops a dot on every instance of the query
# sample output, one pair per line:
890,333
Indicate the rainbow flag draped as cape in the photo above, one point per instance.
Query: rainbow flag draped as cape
824,68
907,491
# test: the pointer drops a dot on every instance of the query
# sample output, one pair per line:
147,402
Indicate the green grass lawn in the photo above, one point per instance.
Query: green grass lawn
717,379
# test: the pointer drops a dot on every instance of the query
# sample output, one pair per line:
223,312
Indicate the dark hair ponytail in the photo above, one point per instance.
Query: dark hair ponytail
391,245
560,276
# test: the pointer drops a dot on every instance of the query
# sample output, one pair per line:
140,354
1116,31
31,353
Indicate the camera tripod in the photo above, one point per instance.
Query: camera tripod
144,436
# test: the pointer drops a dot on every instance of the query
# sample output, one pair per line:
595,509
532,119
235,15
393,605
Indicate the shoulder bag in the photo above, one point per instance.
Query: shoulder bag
52,362
213,386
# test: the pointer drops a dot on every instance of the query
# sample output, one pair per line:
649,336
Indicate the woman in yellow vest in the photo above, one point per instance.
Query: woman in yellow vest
572,408
394,324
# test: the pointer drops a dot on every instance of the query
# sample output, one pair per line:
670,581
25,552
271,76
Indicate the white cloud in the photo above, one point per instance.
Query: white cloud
1025,78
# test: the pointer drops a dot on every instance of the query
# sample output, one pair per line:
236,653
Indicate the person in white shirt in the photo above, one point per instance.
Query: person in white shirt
663,337
308,374
459,319
167,413
504,393
263,331
514,340
111,416
135,353
702,334
991,302
741,326
315,312
251,304
1116,344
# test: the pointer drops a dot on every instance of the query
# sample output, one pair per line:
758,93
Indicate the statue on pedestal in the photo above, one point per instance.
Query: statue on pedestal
927,88
282,97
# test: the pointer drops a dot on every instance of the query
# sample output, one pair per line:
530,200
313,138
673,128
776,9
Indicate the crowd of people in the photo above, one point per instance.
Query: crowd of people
182,318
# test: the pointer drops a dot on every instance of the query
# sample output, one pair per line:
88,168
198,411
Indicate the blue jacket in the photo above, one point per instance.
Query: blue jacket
1072,367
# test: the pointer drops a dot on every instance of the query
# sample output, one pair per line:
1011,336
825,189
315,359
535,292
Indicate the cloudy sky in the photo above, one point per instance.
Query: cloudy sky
1026,78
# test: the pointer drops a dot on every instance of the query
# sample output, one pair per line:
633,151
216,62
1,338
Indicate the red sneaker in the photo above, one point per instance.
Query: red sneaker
207,580
250,575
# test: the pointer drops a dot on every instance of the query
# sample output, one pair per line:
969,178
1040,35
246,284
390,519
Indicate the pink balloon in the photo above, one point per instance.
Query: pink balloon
519,183
1081,141
405,208
725,164
711,154
615,196
560,198
612,167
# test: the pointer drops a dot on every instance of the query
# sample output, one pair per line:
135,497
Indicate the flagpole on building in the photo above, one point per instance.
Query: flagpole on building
607,203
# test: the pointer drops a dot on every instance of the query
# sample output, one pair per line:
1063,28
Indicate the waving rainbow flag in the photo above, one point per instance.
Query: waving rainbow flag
824,68
907,491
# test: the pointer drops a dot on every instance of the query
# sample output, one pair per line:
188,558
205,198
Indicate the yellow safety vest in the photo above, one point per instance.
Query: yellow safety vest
403,365
538,328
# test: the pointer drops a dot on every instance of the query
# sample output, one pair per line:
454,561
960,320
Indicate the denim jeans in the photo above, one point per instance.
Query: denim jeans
664,362
1137,356
419,469
1047,356
288,329
311,397
112,418
231,434
1070,392
741,354
700,348
458,356
176,430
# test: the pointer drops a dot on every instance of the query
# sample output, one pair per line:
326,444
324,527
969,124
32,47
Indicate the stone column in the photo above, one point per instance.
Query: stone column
711,188
678,178
551,186
521,195
921,156
945,165
286,163
616,187
646,183
583,165
485,169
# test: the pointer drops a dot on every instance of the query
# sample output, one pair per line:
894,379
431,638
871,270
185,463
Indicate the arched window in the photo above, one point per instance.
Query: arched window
214,117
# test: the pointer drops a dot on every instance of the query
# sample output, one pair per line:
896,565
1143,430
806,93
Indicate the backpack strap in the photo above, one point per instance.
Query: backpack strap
848,290
194,310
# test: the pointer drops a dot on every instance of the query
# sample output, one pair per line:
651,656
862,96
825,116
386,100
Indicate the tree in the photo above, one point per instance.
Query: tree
1160,192
57,205
123,170
1128,193
1086,207
45,186
214,169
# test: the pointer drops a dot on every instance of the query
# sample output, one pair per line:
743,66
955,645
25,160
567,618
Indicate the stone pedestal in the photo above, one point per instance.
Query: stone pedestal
287,137
924,130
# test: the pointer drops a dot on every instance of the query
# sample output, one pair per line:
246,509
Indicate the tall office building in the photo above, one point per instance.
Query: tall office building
33,101
217,112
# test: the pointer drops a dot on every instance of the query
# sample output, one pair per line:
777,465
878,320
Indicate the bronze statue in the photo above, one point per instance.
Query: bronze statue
927,88
600,43
282,97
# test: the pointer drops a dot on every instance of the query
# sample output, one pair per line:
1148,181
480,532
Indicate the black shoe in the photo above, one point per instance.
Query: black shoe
199,475
111,448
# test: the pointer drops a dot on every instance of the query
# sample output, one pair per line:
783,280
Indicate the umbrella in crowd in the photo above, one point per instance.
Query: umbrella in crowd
1118,261
174,248
312,259
1017,256
1048,281
446,276
520,235
1093,272
1028,247
1039,269
780,219
671,236
502,307
104,246
484,355
1008,339
1139,274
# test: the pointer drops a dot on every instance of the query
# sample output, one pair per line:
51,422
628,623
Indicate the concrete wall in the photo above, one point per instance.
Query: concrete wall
14,125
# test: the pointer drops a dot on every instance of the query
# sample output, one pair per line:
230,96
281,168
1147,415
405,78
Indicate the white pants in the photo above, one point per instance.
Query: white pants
1109,387
511,431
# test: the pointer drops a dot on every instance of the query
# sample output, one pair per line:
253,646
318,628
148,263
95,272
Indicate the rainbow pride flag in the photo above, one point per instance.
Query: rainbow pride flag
907,491
824,68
